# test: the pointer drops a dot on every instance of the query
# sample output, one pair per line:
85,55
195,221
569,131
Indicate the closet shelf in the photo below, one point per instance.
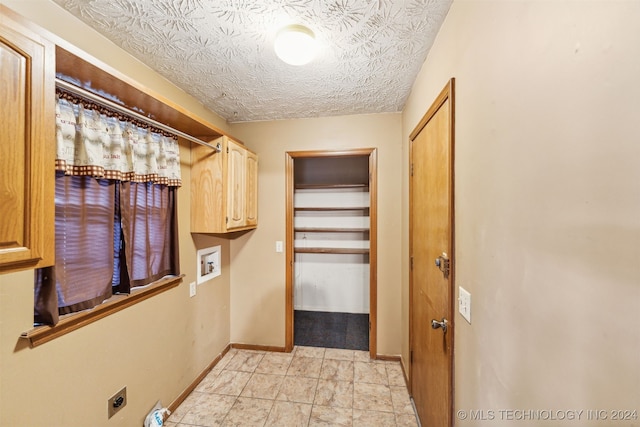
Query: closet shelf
328,186
354,251
331,208
331,230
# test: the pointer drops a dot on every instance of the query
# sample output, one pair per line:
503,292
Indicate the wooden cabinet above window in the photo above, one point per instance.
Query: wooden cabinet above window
27,148
224,188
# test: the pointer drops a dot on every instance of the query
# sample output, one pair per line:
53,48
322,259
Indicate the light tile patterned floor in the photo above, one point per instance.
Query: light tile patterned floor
309,387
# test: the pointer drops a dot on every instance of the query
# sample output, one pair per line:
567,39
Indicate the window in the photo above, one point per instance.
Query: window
110,237
150,235
115,209
81,277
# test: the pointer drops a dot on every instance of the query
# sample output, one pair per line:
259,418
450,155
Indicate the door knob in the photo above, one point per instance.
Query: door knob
442,324
443,263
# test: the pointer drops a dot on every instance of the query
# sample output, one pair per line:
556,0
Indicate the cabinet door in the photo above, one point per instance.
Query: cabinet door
252,189
27,149
236,187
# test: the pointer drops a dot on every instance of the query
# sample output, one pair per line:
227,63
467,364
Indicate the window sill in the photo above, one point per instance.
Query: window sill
42,334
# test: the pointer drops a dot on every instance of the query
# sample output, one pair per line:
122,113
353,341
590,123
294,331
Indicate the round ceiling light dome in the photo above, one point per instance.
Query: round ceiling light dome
295,44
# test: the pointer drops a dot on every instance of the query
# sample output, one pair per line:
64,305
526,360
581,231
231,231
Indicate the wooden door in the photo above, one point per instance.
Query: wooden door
431,237
236,161
27,148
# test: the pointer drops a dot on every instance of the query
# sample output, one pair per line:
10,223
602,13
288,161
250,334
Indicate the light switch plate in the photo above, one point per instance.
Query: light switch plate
464,303
192,289
279,246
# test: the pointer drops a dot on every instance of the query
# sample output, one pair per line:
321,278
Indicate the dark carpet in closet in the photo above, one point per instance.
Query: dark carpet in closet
332,330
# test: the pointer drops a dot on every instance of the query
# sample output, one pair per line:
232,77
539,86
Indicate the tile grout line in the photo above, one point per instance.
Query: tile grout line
273,403
237,398
323,364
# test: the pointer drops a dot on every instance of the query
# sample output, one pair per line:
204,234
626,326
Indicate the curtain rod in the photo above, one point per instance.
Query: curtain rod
124,110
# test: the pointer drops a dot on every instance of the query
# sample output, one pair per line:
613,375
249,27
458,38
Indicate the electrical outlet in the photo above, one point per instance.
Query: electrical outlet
192,289
117,402
464,303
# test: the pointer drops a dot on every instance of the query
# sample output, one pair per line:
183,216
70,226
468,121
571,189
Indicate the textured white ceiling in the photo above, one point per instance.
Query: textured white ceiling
220,51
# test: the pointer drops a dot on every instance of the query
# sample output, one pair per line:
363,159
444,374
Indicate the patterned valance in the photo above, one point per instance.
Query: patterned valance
92,140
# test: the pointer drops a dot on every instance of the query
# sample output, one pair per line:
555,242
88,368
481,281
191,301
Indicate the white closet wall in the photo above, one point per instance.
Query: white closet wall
331,222
331,282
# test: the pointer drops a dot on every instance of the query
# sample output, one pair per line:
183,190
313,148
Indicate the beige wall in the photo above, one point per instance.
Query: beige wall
547,203
155,348
258,277
547,239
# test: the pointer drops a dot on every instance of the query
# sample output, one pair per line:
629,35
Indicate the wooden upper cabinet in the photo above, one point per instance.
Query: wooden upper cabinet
27,148
252,189
236,188
223,188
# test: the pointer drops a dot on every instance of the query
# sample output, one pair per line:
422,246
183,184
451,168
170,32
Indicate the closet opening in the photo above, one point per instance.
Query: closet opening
331,249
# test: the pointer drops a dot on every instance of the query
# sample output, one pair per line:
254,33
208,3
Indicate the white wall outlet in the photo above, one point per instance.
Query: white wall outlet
192,289
464,303
279,247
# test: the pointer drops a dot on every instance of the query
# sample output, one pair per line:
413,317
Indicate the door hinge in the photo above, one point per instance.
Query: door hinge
411,356
226,219
411,263
411,169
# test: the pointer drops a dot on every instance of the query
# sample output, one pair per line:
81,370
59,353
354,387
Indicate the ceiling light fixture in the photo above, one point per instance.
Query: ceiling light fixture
295,44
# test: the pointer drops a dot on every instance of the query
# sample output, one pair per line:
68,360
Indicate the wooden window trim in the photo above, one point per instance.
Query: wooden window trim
42,334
